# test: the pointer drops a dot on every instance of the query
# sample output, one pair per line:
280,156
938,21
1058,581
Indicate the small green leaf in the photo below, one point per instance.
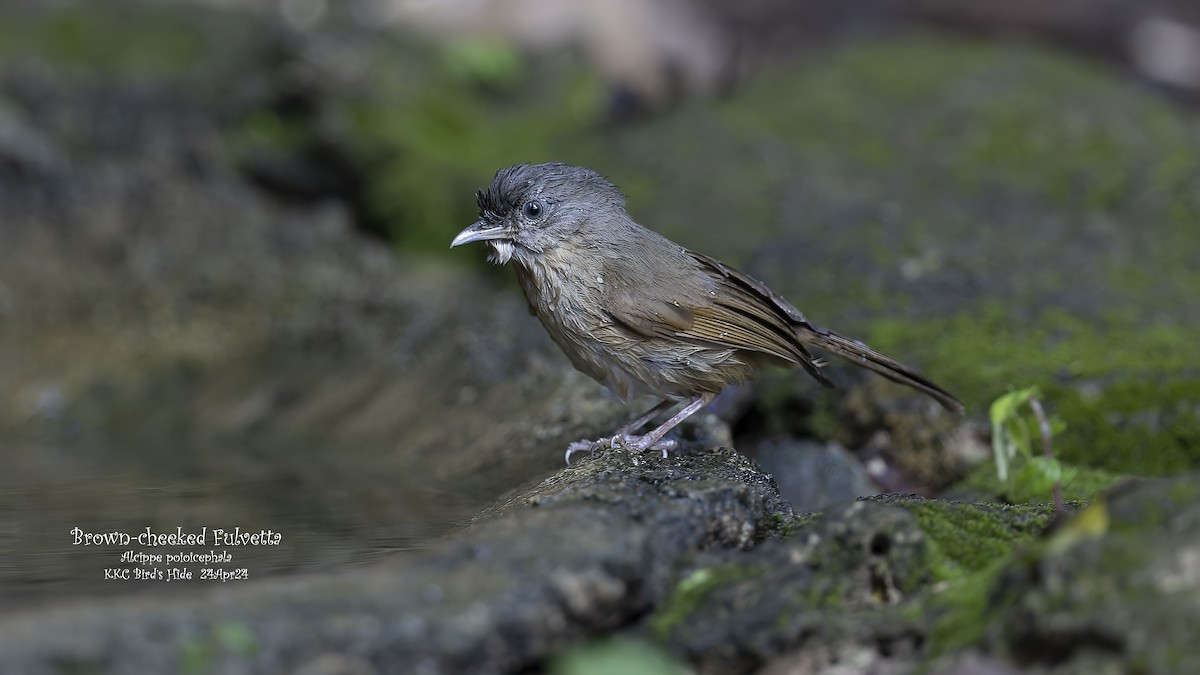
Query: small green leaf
1010,432
1007,405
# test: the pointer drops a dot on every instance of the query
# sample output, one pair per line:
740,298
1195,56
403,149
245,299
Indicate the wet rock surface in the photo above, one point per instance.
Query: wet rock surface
688,552
586,551
813,476
830,586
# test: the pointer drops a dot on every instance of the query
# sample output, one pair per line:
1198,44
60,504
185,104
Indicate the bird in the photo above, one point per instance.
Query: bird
641,314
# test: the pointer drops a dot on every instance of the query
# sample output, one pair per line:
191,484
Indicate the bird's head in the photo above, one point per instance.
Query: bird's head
529,210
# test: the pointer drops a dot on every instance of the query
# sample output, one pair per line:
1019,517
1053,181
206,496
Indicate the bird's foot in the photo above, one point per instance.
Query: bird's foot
642,443
621,442
580,446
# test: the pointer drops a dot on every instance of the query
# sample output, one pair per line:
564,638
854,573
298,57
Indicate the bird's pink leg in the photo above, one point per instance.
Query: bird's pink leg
650,440
650,414
624,437
623,433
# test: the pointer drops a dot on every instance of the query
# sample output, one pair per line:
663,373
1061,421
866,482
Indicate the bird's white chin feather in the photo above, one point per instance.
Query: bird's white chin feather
502,251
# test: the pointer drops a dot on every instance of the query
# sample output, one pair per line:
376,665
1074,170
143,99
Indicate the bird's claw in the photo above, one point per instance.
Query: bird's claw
620,442
580,446
642,444
664,445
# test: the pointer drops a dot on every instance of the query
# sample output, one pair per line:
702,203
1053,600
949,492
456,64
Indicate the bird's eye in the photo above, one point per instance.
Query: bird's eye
534,210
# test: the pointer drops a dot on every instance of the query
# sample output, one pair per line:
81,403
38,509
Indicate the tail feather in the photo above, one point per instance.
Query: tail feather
862,355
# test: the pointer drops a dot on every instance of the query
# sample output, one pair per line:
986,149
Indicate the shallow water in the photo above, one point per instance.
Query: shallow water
343,459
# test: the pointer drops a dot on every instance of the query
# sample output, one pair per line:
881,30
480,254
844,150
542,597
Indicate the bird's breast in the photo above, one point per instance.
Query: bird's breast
567,297
569,301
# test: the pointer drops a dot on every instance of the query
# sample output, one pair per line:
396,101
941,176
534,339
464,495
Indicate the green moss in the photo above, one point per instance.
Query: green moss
855,104
978,550
985,351
1133,409
1145,426
969,538
1096,569
963,606
690,592
989,552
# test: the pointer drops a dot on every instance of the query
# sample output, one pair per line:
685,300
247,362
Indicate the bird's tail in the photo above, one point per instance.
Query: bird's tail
862,355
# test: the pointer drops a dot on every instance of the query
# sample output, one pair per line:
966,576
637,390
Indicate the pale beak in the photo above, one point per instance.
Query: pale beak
481,231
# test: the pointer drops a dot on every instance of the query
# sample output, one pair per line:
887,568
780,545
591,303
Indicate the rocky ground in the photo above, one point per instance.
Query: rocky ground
225,301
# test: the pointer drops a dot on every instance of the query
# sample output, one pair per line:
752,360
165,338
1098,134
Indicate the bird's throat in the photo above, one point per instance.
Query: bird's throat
501,251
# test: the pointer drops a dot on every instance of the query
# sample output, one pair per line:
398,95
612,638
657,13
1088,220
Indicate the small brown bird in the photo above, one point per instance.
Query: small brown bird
641,314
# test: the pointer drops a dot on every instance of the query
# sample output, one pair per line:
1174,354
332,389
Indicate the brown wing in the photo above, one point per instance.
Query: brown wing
762,320
802,330
752,285
648,316
718,306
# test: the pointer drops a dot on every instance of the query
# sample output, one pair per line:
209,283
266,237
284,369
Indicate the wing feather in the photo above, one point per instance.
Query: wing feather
649,316
748,315
705,302
710,304
753,285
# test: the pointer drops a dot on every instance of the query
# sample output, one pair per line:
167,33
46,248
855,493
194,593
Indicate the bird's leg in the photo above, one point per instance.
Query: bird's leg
650,414
651,439
622,433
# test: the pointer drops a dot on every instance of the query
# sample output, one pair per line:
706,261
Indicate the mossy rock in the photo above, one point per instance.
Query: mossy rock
918,584
1108,588
856,575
